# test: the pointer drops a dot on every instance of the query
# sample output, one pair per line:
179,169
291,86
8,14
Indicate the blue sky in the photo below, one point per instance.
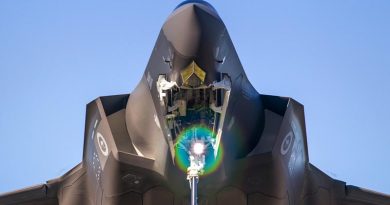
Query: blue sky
332,56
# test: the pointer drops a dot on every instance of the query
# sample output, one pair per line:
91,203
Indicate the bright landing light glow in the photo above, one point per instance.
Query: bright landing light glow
198,148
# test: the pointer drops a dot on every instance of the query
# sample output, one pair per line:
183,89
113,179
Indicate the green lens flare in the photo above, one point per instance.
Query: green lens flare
183,144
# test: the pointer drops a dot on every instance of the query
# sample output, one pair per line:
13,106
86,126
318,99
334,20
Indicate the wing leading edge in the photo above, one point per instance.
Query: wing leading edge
323,190
43,194
355,195
64,190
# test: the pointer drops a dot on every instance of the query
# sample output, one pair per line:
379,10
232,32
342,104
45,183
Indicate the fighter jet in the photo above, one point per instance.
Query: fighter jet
194,131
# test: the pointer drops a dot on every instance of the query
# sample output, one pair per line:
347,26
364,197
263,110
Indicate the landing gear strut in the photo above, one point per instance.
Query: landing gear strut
197,161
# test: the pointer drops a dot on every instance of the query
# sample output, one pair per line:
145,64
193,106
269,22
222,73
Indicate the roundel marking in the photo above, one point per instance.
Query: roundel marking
286,144
102,144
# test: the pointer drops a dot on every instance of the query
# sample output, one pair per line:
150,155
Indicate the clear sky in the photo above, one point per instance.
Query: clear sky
332,56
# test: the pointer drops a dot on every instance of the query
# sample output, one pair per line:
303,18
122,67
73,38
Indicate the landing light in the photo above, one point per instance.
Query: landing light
198,148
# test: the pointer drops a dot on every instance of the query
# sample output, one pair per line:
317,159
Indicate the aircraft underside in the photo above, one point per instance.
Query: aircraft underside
194,131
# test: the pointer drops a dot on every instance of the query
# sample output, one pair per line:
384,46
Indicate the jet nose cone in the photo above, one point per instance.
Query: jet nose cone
186,24
200,4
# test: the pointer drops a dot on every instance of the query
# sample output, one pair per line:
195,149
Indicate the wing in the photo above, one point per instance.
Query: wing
68,189
323,190
359,196
43,194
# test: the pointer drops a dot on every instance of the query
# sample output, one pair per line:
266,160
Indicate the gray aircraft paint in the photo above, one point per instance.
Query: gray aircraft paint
128,155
